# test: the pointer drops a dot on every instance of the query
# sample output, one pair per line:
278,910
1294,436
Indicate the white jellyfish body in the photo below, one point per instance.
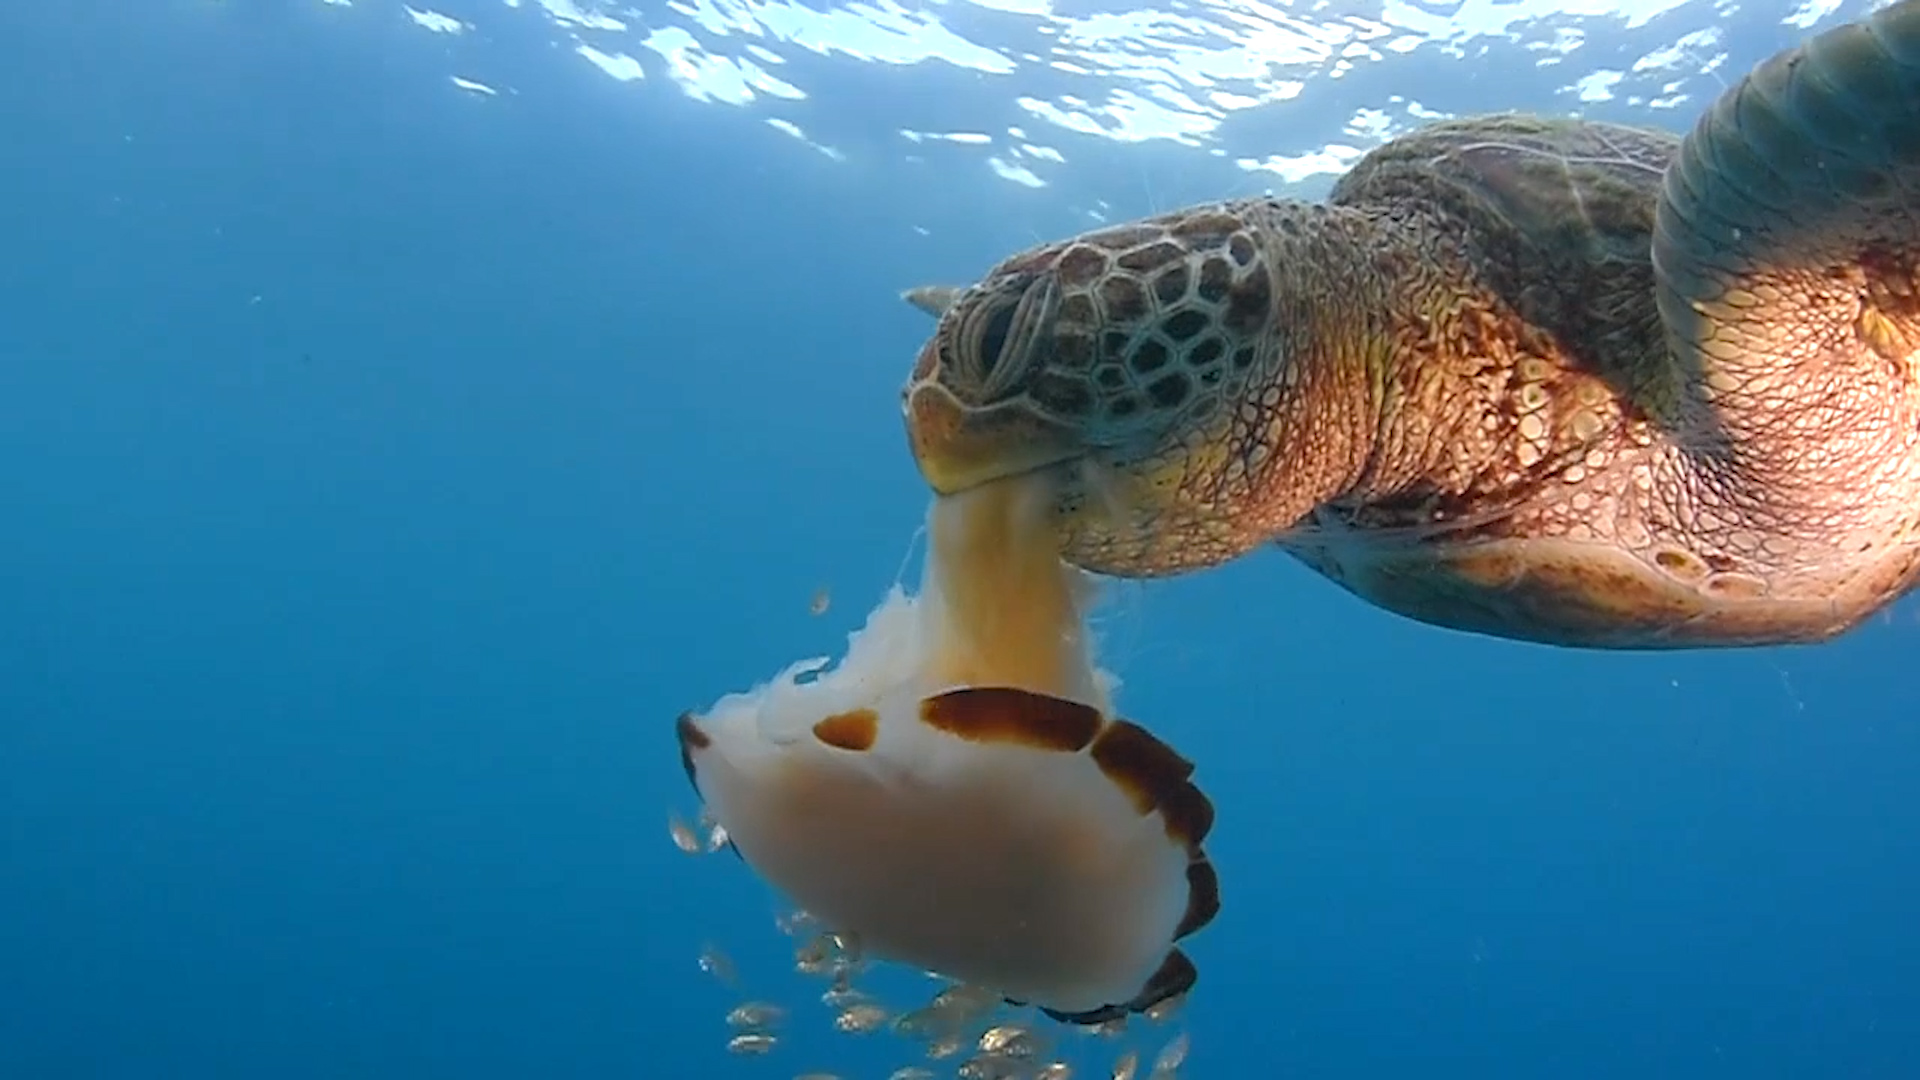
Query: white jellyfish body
955,792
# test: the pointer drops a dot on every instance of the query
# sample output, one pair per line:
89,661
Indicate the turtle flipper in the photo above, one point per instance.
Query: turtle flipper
933,299
1787,239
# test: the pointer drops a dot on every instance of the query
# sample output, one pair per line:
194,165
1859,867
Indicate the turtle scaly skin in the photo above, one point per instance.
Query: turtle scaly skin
1543,379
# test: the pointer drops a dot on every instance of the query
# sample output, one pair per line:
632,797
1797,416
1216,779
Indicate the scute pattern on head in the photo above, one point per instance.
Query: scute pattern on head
1150,322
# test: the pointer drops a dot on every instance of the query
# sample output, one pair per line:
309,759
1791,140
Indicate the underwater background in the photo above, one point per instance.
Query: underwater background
406,412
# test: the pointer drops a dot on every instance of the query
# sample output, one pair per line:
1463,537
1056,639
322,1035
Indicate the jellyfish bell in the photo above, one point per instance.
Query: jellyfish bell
956,792
995,836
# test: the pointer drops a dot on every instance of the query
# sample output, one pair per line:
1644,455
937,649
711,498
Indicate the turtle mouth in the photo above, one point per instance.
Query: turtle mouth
958,448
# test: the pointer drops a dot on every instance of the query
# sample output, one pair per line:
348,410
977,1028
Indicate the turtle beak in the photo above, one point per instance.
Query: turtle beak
957,448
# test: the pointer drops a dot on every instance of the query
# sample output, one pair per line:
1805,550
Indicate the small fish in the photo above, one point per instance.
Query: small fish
843,995
683,835
752,1044
860,1019
815,956
1173,1055
795,923
848,945
946,1046
966,1001
822,600
1128,1064
756,1016
926,1022
717,964
990,1067
1010,1040
1160,1011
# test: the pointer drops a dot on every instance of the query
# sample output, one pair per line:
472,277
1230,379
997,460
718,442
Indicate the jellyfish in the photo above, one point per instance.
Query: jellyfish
957,795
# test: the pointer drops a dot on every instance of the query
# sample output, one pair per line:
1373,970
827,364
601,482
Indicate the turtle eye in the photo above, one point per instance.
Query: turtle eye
993,340
1027,336
997,339
984,342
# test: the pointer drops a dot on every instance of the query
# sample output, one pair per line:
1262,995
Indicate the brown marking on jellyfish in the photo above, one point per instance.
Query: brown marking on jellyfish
999,714
1143,766
1203,897
855,730
1086,1019
1188,814
1155,777
1175,977
692,739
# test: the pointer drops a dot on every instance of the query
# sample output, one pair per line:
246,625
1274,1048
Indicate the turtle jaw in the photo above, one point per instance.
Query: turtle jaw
958,448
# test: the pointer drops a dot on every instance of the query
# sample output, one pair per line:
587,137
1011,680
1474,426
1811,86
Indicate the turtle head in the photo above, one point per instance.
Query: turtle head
1110,358
977,406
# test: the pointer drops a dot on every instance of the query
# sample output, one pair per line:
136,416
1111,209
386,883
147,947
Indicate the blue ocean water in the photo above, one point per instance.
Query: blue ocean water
403,418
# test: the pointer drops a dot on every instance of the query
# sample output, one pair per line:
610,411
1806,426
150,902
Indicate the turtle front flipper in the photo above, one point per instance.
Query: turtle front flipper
1787,249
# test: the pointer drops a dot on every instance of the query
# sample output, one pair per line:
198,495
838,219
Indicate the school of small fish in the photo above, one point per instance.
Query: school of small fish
969,1030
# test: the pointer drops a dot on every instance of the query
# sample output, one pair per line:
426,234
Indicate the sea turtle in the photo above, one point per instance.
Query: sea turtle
1546,379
